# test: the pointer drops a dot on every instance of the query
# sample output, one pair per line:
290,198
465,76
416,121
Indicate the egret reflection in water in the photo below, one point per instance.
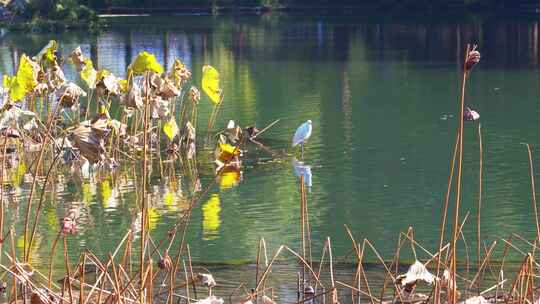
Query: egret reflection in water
301,169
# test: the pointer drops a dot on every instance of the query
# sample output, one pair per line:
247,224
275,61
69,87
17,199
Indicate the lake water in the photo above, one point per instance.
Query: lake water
383,98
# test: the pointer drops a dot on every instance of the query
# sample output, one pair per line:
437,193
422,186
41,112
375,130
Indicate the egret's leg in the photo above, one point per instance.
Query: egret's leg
302,154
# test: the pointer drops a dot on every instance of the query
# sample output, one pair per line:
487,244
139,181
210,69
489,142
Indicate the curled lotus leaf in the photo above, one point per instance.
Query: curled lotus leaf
179,73
145,62
160,107
133,98
47,55
89,74
55,78
16,117
89,143
77,59
210,83
69,94
168,90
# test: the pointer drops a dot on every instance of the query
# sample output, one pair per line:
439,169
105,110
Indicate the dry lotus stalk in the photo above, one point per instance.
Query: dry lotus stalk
69,95
77,58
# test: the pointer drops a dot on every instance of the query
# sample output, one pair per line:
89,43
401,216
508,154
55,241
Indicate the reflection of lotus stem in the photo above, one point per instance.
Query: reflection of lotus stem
480,169
533,193
303,227
13,254
192,276
144,179
68,271
40,204
4,147
51,257
444,216
34,180
453,293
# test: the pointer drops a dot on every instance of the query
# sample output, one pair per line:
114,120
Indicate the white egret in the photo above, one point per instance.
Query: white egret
301,135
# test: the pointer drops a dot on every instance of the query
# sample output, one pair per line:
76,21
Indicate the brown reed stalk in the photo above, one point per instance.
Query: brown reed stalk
453,294
484,264
360,273
479,207
533,189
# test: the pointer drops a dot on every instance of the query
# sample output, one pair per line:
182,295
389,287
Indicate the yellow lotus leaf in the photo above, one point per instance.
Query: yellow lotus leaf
227,152
26,79
145,62
89,74
211,218
210,83
123,84
6,81
170,128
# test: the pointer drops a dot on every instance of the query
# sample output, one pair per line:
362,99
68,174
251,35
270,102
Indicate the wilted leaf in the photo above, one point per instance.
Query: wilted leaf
145,62
170,129
417,271
47,54
210,83
207,279
210,300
